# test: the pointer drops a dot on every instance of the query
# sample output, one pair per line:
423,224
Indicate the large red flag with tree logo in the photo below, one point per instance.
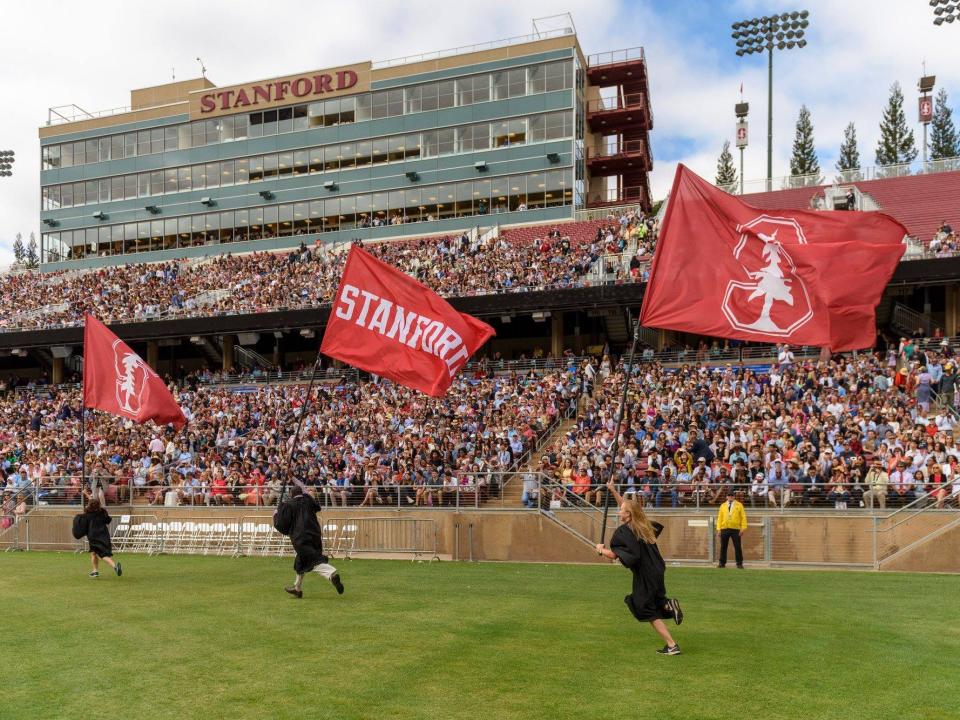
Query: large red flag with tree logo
385,322
116,380
726,269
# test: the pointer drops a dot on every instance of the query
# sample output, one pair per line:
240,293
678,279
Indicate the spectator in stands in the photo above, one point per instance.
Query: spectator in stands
877,482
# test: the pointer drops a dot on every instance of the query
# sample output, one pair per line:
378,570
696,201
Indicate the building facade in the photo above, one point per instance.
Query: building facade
410,147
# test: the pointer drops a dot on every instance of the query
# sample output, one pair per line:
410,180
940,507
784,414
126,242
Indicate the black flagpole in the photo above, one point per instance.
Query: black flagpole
616,437
296,434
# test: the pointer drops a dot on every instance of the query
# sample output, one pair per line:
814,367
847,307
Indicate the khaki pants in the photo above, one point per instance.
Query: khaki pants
872,494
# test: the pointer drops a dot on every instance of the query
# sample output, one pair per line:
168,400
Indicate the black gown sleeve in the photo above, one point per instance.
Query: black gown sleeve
657,528
625,547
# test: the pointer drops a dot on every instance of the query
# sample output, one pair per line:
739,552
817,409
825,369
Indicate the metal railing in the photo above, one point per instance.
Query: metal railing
615,57
611,212
387,535
618,147
617,195
618,102
908,320
477,47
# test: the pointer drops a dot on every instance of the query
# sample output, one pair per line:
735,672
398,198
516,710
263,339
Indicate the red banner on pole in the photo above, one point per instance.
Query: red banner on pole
725,269
385,322
118,381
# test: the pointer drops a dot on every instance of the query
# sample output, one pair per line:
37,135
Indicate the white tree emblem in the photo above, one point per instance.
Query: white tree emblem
131,379
775,300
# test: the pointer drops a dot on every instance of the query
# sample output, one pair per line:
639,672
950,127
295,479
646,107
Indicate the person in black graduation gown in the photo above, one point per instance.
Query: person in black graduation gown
297,518
95,525
634,544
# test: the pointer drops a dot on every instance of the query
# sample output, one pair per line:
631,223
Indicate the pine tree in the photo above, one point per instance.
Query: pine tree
848,164
804,166
896,145
19,252
944,142
32,258
726,172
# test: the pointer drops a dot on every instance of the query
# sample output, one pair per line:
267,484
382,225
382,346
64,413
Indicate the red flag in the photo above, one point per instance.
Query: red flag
387,323
726,269
118,381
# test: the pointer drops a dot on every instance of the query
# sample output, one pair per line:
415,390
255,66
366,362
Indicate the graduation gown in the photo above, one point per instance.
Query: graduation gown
649,595
98,533
297,518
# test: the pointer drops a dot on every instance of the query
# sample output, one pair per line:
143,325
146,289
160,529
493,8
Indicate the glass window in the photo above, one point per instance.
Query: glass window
105,190
255,128
535,77
517,185
379,105
92,191
348,152
256,169
500,133
363,153
412,146
130,145
481,196
331,158
184,179
315,218
116,188
301,218
285,164
331,214
396,147
103,241
269,166
241,171
199,175
116,147
395,102
363,110
91,150
240,127
446,94
156,182
518,82
446,201
301,162
554,188
536,189
116,240
66,195
212,131
446,141
316,160
226,173
143,185
156,234
464,193
143,142
364,217
241,224
212,172
500,86
300,121
104,149
413,99
347,109
198,135
285,120
211,228
286,220
554,76
537,128
66,150
129,237
555,126
143,236
411,201
55,154
269,123
517,131
170,141
156,140
170,180
380,149
79,153
226,227
170,233
429,97
188,227
226,128
348,211
183,136
270,221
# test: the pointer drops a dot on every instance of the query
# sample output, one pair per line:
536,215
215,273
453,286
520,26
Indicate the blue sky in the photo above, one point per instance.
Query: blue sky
856,49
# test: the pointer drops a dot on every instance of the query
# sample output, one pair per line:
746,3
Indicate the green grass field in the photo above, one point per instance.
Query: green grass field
185,637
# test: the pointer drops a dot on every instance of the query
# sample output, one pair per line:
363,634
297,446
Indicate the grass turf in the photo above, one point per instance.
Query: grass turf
182,637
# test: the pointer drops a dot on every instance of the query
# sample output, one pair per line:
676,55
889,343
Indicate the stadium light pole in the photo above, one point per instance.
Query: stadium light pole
6,163
946,11
764,34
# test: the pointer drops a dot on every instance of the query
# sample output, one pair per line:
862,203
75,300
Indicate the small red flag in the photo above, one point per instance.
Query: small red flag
116,380
726,269
385,322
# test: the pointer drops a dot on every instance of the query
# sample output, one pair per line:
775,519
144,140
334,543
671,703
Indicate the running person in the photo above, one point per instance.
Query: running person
94,523
634,544
297,518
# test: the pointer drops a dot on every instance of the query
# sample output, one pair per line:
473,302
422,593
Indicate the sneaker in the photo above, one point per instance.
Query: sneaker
293,591
677,611
667,650
337,584
93,573
118,570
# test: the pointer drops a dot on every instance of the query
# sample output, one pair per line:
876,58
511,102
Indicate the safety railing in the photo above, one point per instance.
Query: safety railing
621,147
386,535
915,521
618,102
617,195
611,212
477,47
615,57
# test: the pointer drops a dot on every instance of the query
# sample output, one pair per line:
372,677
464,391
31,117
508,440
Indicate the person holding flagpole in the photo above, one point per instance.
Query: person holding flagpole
297,518
634,544
94,524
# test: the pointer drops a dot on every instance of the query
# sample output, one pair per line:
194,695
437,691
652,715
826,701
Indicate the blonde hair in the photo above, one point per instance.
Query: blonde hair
639,523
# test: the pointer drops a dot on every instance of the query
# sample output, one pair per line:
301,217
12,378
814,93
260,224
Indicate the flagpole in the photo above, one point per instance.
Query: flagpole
83,448
296,434
616,437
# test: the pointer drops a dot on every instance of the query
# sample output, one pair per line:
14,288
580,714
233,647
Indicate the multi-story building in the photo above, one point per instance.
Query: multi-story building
524,130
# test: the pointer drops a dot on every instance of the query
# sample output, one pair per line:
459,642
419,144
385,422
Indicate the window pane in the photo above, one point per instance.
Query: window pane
170,141
156,140
269,123
285,164
130,144
363,111
316,160
255,128
183,136
347,109
300,121
446,94
156,183
226,128
104,149
286,220
184,179
301,218
241,171
269,166
143,185
256,169
500,91
300,162
226,173
199,176
518,82
92,188
285,120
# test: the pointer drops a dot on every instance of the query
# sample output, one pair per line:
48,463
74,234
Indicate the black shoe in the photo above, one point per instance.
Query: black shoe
677,611
739,567
118,570
337,584
93,574
293,591
667,650
719,565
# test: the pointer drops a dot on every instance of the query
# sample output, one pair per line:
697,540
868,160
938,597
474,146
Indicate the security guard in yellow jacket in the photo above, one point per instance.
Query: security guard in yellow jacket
731,524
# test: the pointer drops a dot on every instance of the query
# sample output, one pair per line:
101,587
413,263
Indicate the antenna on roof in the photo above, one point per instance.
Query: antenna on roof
203,69
173,73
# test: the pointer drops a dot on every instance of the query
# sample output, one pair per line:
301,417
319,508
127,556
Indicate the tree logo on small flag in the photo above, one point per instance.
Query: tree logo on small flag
132,373
771,299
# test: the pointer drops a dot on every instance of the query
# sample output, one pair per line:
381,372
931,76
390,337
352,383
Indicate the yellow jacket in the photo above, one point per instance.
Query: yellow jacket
735,519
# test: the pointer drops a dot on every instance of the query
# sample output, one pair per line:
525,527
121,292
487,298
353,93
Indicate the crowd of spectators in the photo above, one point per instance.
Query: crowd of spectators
308,276
363,442
856,431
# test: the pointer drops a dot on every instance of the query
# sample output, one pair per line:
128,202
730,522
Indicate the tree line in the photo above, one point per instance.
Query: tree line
895,147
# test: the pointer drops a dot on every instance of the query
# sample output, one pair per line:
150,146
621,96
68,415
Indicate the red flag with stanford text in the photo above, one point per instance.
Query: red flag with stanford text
385,322
725,269
118,381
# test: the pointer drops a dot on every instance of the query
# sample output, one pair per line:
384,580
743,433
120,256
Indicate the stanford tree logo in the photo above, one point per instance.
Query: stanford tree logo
131,380
771,299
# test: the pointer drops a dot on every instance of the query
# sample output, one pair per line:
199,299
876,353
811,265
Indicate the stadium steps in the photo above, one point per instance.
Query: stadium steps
938,551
